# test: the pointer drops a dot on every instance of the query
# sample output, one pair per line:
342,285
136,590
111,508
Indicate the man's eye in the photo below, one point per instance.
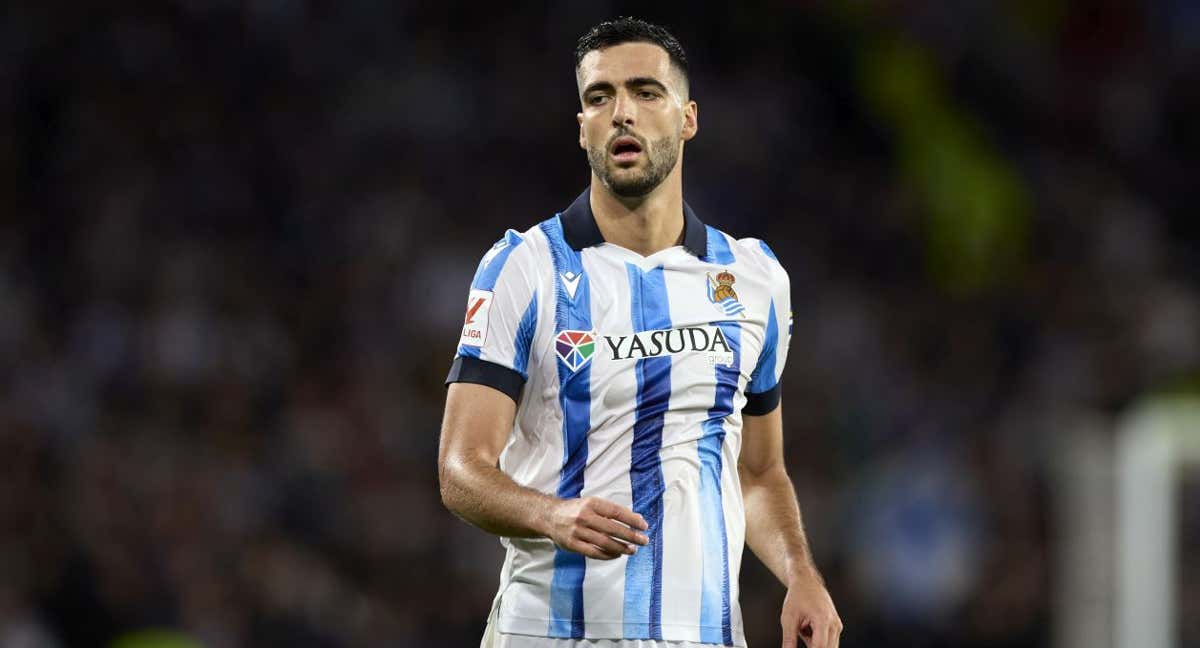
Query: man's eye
598,100
647,94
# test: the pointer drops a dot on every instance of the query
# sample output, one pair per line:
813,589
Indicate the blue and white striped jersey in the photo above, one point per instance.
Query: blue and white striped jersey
631,375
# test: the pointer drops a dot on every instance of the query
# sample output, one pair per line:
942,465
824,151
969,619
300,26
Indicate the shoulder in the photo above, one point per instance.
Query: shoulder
525,246
512,238
514,256
751,253
762,254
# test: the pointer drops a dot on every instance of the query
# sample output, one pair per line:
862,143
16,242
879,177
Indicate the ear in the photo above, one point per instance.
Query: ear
691,123
582,139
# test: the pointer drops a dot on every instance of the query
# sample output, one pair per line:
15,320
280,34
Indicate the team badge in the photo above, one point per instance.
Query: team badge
722,294
575,348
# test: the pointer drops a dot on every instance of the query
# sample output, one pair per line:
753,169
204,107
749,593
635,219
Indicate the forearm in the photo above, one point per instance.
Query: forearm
774,527
483,495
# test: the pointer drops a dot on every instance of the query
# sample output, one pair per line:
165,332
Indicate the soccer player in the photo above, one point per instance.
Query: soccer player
613,408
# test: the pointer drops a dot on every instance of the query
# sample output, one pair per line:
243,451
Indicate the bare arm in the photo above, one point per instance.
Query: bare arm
775,533
774,528
475,428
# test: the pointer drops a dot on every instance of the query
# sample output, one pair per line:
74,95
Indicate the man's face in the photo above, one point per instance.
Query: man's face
635,116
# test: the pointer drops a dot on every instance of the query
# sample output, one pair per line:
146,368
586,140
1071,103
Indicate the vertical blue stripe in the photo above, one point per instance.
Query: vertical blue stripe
763,378
524,337
643,570
715,626
718,247
574,397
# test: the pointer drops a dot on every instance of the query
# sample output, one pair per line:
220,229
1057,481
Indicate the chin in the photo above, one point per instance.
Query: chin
632,189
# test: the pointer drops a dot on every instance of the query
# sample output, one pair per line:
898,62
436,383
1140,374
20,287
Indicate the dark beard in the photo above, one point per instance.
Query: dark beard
662,154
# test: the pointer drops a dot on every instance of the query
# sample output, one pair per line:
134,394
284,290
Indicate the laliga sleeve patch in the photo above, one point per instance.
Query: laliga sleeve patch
475,324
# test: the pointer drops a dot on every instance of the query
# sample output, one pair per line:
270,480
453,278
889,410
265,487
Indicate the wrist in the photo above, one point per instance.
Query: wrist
803,571
541,516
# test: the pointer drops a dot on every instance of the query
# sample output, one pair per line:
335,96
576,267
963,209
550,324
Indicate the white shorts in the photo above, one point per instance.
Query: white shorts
494,639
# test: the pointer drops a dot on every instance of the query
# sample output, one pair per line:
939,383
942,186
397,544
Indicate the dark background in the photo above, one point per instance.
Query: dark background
237,238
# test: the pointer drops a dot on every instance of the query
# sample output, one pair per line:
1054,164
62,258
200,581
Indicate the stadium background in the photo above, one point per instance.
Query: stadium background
237,239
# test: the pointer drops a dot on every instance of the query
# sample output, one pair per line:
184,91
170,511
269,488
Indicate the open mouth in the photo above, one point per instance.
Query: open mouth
626,149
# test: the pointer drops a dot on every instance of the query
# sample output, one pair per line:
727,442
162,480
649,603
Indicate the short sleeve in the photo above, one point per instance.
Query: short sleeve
763,391
500,319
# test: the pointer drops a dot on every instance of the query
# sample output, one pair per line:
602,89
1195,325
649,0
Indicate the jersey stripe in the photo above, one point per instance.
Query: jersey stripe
488,272
718,247
471,351
574,397
643,571
768,251
524,337
763,378
715,624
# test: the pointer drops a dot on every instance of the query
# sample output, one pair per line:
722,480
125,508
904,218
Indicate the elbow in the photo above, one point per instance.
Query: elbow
447,486
755,475
458,484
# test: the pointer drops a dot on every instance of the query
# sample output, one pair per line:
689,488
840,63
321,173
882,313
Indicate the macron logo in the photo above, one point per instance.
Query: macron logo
570,281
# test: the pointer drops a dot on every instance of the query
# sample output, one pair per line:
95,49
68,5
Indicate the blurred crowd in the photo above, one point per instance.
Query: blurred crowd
238,240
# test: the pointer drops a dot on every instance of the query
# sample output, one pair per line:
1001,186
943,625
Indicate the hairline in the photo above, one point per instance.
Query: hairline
675,67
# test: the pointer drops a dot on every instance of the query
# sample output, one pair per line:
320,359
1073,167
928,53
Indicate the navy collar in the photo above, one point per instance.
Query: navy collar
580,229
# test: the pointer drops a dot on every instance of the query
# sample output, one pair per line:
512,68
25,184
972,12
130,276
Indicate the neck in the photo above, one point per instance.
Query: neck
645,224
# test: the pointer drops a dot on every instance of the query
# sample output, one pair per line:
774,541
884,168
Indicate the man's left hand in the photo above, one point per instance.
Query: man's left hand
808,613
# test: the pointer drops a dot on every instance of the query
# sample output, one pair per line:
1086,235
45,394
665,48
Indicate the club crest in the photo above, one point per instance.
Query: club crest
722,294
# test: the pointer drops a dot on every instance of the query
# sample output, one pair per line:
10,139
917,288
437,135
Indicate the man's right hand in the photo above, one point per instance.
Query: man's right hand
595,527
475,428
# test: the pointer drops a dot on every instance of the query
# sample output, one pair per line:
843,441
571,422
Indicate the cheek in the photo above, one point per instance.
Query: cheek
587,130
595,135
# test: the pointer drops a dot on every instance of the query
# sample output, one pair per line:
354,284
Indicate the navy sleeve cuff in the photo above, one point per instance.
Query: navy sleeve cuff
481,372
764,403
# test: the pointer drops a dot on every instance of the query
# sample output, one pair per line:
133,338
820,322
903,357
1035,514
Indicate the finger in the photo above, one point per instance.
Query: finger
617,530
621,514
611,547
789,633
590,550
605,543
820,635
835,633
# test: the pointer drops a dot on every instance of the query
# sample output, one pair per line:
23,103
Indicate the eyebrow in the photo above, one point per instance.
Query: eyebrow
629,83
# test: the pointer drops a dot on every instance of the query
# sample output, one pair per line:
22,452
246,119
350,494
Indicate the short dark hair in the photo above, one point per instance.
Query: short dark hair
631,30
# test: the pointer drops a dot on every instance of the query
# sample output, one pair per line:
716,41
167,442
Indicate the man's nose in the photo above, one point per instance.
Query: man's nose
623,110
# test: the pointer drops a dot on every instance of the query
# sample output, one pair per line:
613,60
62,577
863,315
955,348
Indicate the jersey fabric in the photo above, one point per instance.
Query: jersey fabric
631,375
